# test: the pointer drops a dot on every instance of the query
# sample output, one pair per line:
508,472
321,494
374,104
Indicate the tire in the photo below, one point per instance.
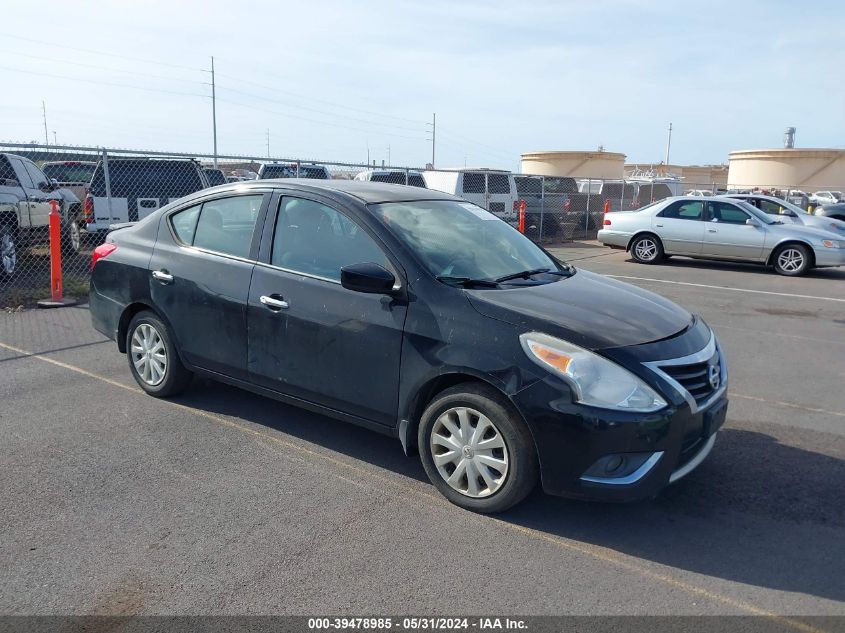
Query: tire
161,373
647,249
509,446
792,260
8,251
71,238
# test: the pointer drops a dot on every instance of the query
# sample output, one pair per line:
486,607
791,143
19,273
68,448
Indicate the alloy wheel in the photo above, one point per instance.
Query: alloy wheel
149,355
646,249
75,237
469,452
791,260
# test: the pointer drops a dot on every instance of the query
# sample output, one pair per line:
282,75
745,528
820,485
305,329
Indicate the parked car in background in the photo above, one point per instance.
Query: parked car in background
74,175
549,212
491,189
699,193
789,213
721,228
26,194
833,211
130,189
293,170
424,317
826,197
394,176
214,176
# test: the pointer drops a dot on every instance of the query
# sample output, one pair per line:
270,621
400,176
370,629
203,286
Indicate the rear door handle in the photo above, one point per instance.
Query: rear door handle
658,225
712,230
274,304
163,276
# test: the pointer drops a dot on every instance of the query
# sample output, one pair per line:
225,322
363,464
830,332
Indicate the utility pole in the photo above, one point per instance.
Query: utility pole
668,145
44,113
214,110
388,155
55,142
368,153
433,135
268,142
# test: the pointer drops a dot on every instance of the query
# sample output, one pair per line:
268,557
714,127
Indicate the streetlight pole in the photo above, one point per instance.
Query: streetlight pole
214,110
668,145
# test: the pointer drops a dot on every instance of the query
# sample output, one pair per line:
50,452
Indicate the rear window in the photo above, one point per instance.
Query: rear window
214,177
473,183
148,179
527,185
289,171
394,177
416,180
69,172
614,190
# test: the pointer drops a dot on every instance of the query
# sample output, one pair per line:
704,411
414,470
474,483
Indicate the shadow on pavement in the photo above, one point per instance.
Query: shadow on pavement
758,511
680,262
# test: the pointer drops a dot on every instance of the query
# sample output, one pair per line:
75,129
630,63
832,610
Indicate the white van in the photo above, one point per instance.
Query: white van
395,176
493,189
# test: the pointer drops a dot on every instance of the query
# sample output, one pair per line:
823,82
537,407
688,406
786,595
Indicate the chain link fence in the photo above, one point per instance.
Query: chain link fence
94,189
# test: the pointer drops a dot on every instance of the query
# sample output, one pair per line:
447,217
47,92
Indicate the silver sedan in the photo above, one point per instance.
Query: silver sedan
721,228
789,213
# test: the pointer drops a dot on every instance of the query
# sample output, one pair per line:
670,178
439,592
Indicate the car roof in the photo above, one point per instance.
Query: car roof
364,191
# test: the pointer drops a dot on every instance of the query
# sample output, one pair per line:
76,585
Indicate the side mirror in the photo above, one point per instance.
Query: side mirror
367,277
752,222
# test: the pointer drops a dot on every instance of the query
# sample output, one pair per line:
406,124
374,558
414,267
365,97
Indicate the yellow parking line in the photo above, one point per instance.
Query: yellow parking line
593,551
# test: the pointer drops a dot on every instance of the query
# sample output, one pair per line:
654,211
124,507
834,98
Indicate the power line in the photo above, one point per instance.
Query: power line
104,83
42,43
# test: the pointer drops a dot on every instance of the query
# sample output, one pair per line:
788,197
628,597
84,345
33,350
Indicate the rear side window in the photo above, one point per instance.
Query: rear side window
215,177
224,225
473,183
416,180
498,183
317,240
684,210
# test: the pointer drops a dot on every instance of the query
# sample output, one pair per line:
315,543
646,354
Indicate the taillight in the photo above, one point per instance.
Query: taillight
566,204
88,209
607,221
103,250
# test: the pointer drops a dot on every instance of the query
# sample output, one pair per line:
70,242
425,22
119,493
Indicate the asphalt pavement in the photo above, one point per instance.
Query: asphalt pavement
223,502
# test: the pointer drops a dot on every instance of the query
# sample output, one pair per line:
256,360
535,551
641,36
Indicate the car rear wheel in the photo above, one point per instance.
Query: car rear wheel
153,358
792,260
8,251
647,249
72,238
476,450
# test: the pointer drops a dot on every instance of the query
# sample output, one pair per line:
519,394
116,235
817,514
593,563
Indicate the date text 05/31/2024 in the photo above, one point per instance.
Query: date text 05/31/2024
417,624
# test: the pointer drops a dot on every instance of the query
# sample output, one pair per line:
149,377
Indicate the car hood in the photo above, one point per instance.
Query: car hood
824,223
587,309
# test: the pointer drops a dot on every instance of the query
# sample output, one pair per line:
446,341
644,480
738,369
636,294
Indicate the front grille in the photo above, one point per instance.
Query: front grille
695,378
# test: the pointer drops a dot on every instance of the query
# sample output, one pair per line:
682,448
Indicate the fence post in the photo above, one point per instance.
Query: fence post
297,169
406,175
587,214
108,182
542,205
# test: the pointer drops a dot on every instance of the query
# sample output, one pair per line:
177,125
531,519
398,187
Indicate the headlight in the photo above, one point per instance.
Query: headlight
595,381
833,244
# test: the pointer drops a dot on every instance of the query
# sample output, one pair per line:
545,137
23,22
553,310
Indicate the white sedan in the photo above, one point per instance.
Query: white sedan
720,228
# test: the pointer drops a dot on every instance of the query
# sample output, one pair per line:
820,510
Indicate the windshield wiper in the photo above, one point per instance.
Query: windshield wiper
527,274
468,282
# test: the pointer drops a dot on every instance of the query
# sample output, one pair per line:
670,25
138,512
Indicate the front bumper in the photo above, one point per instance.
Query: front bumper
829,256
571,437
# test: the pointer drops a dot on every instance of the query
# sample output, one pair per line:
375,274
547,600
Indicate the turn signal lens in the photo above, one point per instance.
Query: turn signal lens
550,357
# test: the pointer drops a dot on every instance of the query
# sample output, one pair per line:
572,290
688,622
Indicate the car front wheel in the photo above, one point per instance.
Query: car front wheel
8,252
153,358
792,260
476,450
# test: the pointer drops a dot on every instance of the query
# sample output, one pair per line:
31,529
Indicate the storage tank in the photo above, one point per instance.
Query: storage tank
806,169
595,164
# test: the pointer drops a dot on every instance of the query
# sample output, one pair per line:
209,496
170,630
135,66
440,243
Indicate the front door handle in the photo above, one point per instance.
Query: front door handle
274,304
163,276
658,225
712,230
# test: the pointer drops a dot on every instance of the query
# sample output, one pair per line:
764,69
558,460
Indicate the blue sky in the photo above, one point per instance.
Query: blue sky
330,79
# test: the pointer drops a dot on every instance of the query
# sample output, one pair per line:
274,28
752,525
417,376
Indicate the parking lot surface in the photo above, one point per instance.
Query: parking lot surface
222,502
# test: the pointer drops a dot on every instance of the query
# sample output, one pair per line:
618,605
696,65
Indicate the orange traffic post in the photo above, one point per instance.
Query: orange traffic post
522,216
607,206
56,300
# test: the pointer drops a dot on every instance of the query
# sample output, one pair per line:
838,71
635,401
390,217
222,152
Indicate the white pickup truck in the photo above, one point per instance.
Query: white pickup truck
25,196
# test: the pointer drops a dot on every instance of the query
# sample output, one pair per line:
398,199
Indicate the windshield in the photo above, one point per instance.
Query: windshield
461,240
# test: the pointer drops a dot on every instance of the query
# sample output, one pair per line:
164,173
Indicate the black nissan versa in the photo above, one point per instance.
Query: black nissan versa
419,315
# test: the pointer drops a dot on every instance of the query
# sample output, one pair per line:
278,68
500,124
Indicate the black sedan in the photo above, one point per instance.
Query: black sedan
422,316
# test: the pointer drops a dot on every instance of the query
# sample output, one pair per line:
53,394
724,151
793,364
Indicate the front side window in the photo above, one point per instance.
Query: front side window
684,210
6,171
769,207
23,175
37,176
224,225
314,239
726,212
